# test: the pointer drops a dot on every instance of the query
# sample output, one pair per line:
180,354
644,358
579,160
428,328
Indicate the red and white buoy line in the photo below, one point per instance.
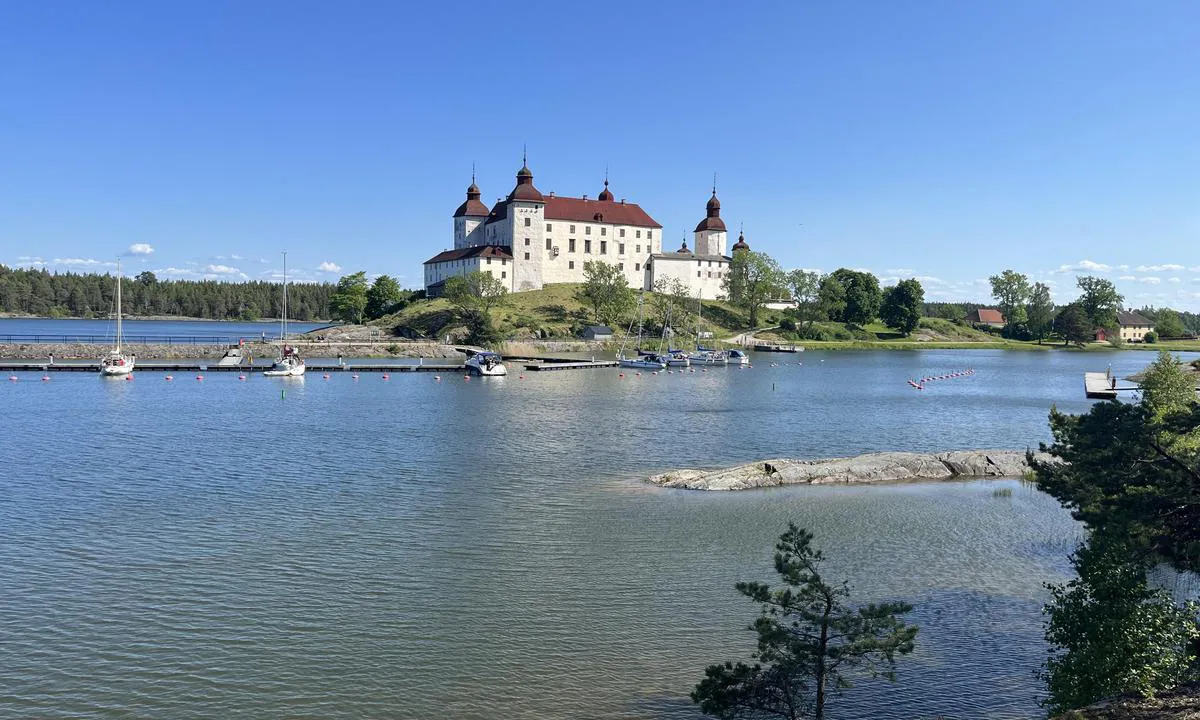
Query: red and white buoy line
920,384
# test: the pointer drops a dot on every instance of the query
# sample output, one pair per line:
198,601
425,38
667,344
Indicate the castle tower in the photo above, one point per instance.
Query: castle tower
526,224
469,218
710,233
741,244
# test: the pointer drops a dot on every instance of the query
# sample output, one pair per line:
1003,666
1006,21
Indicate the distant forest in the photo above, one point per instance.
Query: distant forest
958,311
38,292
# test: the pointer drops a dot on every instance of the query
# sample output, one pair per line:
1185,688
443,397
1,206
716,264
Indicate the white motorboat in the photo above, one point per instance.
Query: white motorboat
117,363
289,363
677,358
487,364
738,357
704,356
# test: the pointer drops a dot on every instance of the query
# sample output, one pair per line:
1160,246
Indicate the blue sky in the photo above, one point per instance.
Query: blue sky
946,140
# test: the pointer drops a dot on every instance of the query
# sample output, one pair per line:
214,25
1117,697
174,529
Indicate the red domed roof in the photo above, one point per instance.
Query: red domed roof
525,189
741,244
712,220
684,249
605,195
472,207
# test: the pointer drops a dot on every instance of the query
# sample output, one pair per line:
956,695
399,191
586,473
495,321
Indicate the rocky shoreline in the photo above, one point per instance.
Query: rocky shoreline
881,467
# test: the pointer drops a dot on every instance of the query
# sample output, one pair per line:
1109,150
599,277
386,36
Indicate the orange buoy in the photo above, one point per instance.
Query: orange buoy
199,377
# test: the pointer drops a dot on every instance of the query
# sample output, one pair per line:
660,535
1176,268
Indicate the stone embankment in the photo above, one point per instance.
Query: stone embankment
871,468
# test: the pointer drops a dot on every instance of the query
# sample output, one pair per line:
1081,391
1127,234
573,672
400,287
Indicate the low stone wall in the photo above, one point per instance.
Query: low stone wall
870,468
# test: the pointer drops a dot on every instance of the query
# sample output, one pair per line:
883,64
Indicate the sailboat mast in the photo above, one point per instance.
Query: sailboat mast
283,327
118,305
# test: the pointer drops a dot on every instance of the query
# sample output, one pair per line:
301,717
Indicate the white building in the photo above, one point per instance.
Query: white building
528,240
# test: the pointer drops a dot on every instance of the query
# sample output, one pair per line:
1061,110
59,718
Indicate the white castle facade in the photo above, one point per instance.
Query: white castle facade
529,240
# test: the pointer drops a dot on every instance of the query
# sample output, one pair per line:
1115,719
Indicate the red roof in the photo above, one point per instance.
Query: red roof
497,251
988,315
605,211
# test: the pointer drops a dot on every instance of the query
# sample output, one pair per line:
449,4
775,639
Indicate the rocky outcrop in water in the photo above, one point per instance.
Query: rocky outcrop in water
870,468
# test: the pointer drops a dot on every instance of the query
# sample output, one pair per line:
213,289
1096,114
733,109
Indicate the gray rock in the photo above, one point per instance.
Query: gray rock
870,468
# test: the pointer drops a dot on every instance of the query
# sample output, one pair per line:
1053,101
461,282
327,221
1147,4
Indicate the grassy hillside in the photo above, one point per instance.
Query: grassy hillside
550,313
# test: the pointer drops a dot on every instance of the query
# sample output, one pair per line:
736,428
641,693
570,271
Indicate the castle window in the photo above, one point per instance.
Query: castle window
699,263
572,228
710,263
549,244
649,234
587,246
710,273
489,261
622,232
603,247
637,266
587,229
603,231
549,227
639,249
526,242
528,221
621,266
571,245
526,256
639,233
571,265
503,274
697,273
621,248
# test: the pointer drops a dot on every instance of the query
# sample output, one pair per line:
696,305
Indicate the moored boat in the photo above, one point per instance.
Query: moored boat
486,363
289,363
117,363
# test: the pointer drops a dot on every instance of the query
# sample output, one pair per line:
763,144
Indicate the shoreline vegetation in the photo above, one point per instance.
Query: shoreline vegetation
866,469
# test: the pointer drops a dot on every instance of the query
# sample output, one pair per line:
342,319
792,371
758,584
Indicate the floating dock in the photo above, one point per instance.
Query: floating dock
778,348
571,365
313,365
1103,385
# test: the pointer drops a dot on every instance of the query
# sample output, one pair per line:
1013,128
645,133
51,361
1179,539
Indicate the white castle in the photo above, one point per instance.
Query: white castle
529,240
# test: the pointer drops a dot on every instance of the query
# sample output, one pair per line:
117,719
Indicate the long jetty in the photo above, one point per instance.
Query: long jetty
316,365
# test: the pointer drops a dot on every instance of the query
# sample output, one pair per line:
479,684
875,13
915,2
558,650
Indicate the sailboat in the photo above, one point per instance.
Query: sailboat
703,355
289,363
116,363
638,360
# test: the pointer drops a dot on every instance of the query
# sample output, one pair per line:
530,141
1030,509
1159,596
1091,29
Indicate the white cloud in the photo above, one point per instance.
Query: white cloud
1194,268
236,257
141,249
1083,266
1170,267
1174,280
221,270
175,272
86,262
900,271
330,267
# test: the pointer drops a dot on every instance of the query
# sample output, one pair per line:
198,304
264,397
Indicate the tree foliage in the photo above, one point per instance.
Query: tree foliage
385,296
1072,325
902,305
1133,469
1039,313
349,301
671,304
40,292
1011,291
1167,323
1111,633
805,286
754,279
831,299
862,295
474,296
607,290
810,643
1099,300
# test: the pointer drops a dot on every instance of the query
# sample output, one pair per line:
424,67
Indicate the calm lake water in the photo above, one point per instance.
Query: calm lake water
409,548
50,330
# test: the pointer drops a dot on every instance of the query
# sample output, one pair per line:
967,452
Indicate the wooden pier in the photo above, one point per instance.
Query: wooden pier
571,365
1103,385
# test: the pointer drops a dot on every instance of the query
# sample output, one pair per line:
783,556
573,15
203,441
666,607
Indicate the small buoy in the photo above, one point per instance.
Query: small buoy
637,374
12,378
199,377
387,377
45,378
520,377
692,370
437,377
128,377
620,375
325,376
354,377
466,378
242,378
169,378
653,372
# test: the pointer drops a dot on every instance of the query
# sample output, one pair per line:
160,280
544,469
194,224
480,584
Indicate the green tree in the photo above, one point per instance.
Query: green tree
1168,325
1111,633
1073,326
831,299
902,305
810,643
1011,291
754,279
474,296
863,296
1039,313
805,287
1167,388
951,311
350,299
669,303
1099,300
607,290
146,277
383,297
